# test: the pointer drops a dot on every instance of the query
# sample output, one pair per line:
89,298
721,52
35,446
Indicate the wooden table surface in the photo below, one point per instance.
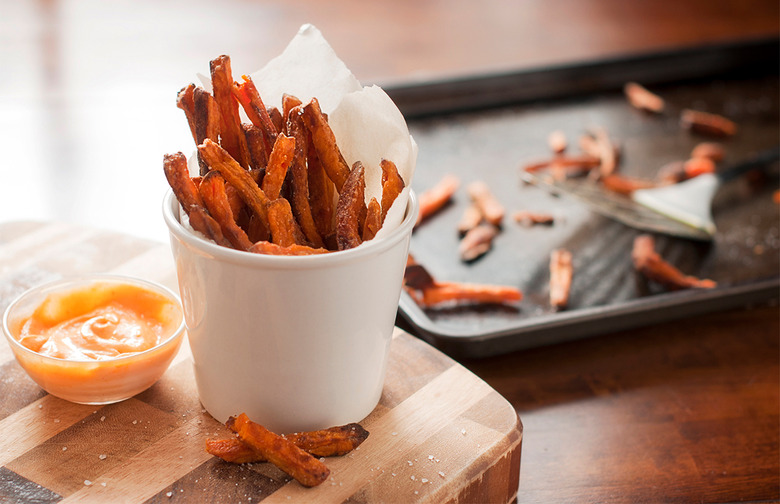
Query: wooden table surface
680,412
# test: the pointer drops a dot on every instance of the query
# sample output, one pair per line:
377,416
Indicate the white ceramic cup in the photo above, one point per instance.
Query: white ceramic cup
296,343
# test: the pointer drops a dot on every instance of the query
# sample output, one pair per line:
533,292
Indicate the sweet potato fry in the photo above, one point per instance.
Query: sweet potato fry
289,102
433,199
606,153
582,162
639,97
350,206
392,185
247,95
300,180
470,219
202,115
322,196
707,123
212,191
710,150
373,219
178,175
302,466
625,185
218,159
232,137
258,155
324,142
650,264
278,163
492,210
698,166
332,442
284,229
557,142
266,247
443,292
528,218
477,242
561,273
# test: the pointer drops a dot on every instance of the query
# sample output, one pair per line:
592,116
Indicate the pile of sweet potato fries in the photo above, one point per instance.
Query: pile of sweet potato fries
296,454
278,184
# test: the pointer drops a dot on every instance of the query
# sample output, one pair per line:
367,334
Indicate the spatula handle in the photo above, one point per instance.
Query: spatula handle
761,159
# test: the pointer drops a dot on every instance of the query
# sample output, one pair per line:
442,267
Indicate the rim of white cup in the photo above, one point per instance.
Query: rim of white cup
176,228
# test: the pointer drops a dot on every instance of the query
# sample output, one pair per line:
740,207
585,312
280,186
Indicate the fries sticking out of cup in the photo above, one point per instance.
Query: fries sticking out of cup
277,173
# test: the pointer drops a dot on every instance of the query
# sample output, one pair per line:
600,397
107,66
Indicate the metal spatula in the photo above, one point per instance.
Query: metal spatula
682,209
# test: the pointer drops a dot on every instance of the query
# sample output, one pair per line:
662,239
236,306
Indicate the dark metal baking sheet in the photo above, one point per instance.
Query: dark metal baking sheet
492,144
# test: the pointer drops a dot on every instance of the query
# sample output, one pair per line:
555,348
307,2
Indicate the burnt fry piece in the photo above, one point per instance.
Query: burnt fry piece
278,163
350,206
373,219
218,159
434,198
266,247
284,229
258,155
232,136
650,264
561,273
707,123
215,197
392,185
332,442
178,175
300,180
306,469
492,210
324,142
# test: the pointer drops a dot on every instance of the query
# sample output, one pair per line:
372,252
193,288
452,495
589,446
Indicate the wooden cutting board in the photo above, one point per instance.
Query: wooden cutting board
439,433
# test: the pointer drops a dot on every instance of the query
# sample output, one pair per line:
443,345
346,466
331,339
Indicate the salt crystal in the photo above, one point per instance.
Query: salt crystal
135,422
169,494
64,448
40,406
463,431
424,480
102,457
102,418
56,420
412,477
430,457
87,483
103,484
441,474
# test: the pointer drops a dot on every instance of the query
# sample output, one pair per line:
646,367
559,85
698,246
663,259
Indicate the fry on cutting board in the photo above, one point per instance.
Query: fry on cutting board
331,442
281,452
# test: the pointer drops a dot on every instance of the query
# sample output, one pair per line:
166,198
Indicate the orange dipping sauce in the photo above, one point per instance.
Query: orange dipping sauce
101,321
95,340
